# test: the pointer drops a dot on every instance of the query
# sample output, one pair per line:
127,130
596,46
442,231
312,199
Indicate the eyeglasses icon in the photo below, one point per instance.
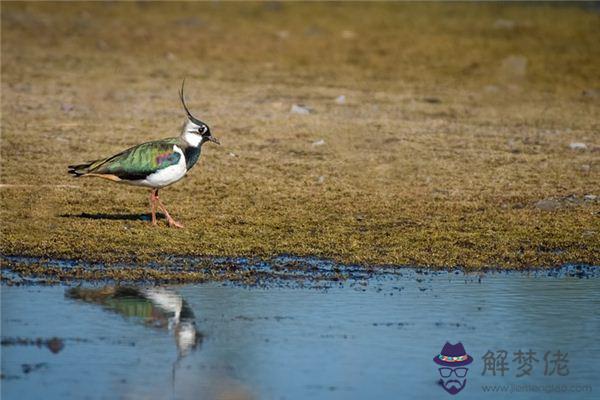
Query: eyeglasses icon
447,372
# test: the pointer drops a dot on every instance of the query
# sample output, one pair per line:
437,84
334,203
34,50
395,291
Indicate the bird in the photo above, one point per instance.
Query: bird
156,307
156,164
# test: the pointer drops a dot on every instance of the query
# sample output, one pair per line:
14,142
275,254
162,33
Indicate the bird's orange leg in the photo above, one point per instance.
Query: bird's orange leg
153,198
170,220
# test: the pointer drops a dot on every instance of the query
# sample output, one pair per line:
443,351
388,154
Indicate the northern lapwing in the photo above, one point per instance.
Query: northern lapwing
156,307
155,164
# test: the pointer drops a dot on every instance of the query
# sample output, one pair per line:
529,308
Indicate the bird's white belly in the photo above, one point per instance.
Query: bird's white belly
165,299
166,176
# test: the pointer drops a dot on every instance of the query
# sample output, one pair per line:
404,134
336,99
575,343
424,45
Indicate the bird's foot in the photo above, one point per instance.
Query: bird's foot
174,224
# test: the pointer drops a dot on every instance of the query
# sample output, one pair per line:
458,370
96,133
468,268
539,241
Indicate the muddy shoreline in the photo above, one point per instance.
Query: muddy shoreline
285,269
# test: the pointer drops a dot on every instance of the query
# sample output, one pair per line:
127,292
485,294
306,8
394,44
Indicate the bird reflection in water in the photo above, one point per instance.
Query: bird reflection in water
155,306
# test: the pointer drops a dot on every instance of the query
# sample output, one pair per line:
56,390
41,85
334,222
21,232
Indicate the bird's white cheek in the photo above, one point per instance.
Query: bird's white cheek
192,139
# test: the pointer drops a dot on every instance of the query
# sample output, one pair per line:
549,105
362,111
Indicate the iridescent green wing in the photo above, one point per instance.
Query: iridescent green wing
140,161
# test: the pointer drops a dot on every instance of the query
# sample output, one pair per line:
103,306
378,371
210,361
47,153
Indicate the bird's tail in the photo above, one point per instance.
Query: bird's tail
78,170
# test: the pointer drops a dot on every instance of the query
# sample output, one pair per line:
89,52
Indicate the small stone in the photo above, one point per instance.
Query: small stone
66,107
515,65
491,89
300,109
591,93
504,24
348,35
102,45
571,198
313,31
340,99
170,56
513,146
232,155
578,146
55,345
548,205
190,22
590,197
278,105
319,142
283,34
320,180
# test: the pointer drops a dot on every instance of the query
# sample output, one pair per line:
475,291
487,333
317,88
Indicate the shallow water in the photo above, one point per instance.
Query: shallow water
369,337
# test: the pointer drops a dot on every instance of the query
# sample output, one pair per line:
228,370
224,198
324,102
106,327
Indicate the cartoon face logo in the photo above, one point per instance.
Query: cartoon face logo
452,361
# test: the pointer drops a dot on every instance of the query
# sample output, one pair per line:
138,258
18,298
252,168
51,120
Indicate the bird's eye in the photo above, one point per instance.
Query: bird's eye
202,130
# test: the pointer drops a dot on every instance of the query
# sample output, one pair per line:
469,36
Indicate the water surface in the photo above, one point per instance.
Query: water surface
364,338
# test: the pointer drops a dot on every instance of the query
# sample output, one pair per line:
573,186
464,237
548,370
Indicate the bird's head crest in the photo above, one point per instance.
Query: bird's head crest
194,126
187,111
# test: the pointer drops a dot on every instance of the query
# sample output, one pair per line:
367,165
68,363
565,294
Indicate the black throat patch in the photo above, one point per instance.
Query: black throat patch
192,154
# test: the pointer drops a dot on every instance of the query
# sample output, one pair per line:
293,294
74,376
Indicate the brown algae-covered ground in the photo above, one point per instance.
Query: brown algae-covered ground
468,135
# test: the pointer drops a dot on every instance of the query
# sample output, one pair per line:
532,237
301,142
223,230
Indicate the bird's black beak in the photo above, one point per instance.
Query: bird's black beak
214,140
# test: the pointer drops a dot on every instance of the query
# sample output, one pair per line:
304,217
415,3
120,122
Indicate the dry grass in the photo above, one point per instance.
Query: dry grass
438,157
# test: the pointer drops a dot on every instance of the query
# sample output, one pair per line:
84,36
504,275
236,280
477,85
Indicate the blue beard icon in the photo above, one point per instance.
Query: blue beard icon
453,386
